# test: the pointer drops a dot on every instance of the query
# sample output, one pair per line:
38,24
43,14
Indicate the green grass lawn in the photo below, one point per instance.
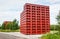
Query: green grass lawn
18,30
51,36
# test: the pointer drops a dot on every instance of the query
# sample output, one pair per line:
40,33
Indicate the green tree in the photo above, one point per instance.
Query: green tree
15,24
3,26
53,27
11,25
0,26
58,20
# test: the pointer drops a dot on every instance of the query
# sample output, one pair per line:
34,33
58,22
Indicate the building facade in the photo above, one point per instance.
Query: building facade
35,19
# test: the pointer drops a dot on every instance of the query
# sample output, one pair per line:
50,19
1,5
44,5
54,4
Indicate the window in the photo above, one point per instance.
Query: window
33,6
28,32
33,28
33,18
47,19
28,11
34,32
43,14
43,19
33,21
34,24
38,21
47,24
47,8
38,27
43,9
43,24
47,11
28,18
38,24
27,21
38,11
38,7
38,14
33,11
28,8
28,28
28,5
43,29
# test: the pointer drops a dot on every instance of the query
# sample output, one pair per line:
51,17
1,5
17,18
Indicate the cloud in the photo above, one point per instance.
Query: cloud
52,1
11,9
9,16
16,5
54,10
48,2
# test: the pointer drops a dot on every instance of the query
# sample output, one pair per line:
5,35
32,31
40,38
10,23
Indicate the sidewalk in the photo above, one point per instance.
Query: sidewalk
22,35
25,36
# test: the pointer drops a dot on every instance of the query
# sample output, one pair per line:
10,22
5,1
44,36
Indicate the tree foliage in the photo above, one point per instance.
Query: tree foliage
11,25
53,27
58,20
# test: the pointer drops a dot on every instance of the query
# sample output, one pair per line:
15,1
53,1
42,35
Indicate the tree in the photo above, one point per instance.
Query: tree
15,24
0,26
58,20
10,25
3,26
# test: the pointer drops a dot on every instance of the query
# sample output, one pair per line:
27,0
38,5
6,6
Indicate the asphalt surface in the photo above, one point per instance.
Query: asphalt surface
6,36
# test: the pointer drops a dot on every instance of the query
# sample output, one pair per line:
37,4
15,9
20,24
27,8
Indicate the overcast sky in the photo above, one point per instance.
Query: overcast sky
11,9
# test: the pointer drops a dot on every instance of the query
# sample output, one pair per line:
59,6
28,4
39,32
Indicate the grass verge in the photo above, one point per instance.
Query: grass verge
10,30
51,36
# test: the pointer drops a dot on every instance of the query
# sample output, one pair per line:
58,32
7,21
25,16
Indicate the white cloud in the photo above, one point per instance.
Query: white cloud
52,1
54,10
11,9
9,16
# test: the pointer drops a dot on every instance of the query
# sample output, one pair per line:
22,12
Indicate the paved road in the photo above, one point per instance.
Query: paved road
6,36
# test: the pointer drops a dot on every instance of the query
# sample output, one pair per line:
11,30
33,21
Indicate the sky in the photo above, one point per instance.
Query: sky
11,9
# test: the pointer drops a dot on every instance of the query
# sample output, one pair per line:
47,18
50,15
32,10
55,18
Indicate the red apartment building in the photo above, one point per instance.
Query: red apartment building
35,19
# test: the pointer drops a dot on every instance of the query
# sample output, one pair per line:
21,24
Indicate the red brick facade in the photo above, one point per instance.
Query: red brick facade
35,19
